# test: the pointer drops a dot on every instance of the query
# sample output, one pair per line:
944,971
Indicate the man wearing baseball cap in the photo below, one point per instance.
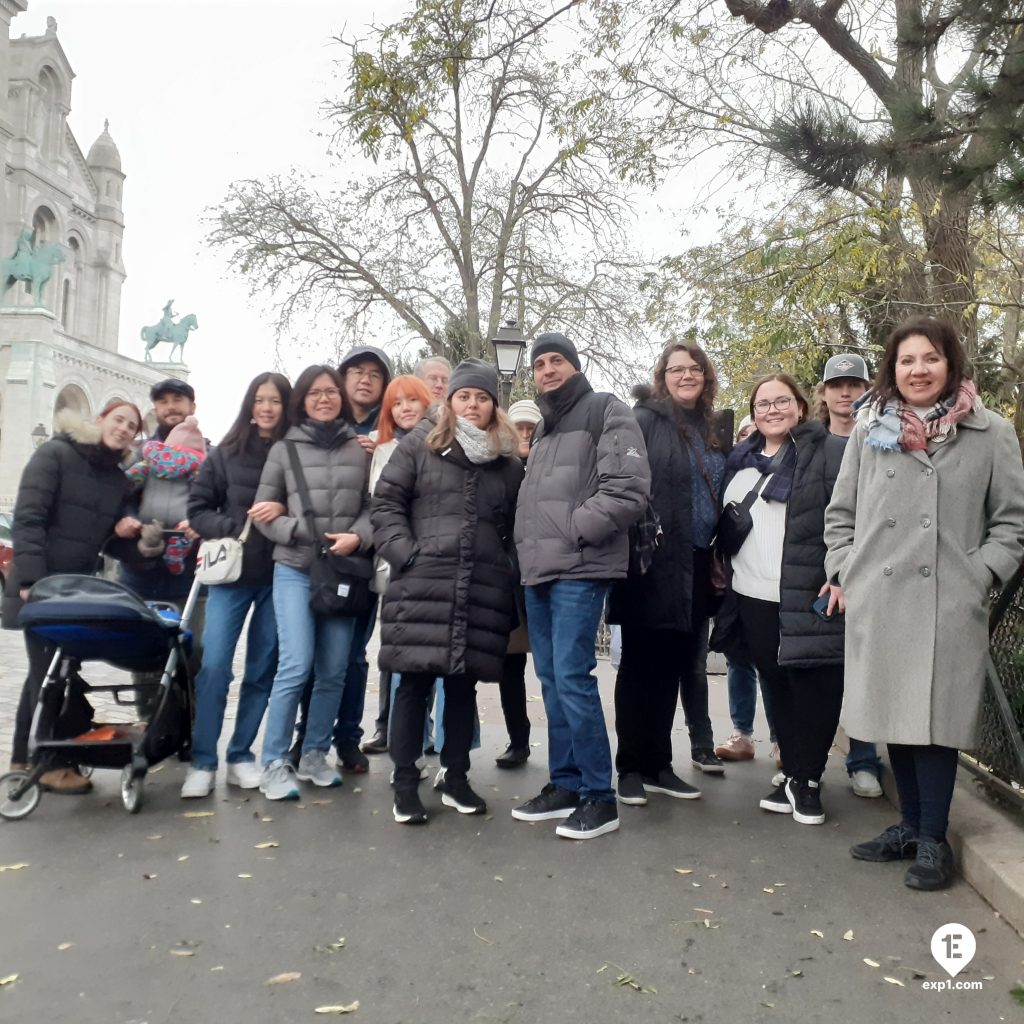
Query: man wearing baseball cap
845,379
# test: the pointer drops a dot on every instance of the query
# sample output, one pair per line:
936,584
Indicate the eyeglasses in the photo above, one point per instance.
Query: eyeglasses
685,371
782,404
358,374
328,393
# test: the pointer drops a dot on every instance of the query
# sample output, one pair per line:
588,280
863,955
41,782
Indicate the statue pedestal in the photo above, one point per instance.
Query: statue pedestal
178,370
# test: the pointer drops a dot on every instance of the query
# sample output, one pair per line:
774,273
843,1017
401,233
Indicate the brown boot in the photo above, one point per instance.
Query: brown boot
17,766
66,781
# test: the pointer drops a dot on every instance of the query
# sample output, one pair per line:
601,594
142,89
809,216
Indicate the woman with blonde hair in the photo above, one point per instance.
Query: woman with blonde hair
442,517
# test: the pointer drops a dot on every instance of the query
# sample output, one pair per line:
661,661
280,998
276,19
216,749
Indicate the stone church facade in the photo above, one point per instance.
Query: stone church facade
62,353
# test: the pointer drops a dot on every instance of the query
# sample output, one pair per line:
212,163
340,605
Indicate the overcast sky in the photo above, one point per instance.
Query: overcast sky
200,93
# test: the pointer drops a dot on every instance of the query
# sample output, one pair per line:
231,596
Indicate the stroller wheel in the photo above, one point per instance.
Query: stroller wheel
131,789
15,804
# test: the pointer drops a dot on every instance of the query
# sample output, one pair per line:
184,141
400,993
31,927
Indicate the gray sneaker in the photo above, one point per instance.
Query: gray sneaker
313,767
278,781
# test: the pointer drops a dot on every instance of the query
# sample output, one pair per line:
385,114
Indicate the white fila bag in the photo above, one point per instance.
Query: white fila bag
220,561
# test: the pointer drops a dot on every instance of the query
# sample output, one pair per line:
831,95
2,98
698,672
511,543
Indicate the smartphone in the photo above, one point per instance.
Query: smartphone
820,608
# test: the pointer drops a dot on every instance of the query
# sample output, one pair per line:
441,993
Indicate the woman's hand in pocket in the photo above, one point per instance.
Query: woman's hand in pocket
835,598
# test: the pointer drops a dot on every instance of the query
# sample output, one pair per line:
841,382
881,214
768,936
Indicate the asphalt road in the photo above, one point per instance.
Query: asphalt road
167,917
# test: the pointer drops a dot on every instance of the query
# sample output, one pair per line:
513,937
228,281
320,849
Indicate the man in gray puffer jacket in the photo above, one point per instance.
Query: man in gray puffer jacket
587,481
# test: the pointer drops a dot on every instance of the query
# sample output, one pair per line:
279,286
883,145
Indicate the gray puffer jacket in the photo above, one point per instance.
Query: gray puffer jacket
337,478
587,481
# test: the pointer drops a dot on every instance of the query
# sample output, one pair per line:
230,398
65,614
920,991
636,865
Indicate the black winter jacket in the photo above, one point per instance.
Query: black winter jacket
221,496
805,638
664,597
445,527
72,493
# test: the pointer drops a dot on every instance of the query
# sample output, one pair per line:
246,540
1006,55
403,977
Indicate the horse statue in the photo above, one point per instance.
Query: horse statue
30,264
175,333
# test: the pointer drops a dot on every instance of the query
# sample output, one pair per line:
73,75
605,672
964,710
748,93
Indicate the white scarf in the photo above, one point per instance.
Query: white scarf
474,442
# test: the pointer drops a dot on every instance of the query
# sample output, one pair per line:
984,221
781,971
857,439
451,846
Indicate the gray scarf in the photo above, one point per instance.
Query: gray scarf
473,442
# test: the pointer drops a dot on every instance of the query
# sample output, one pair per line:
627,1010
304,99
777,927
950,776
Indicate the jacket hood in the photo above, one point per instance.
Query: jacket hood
75,427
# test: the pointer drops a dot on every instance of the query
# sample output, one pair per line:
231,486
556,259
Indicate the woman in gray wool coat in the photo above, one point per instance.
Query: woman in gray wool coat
926,517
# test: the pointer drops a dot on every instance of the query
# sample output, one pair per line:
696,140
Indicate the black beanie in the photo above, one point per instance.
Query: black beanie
552,341
474,373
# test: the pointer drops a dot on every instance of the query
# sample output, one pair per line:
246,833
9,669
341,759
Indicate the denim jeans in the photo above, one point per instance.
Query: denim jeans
743,684
863,756
226,609
563,618
305,641
348,730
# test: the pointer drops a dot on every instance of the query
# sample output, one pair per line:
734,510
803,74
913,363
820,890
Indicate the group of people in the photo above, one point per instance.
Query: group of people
845,558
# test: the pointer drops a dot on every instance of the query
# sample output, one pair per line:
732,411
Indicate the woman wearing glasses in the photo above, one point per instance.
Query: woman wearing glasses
336,472
777,575
664,613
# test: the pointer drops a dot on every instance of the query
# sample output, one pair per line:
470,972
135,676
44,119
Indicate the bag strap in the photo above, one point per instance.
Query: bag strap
300,482
244,535
754,491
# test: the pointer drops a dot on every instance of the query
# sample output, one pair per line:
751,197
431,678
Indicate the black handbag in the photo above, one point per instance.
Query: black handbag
338,584
736,522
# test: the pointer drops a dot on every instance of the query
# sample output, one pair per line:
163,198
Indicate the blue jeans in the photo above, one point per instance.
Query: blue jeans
305,641
742,677
226,609
348,730
563,618
863,756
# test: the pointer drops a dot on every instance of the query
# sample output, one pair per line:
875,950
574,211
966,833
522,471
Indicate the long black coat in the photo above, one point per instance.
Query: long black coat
221,496
445,528
665,596
72,493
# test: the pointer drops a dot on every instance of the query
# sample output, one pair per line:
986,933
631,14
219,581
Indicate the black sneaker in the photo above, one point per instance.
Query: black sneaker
777,801
670,784
708,762
933,867
631,790
513,757
805,799
590,820
897,842
409,809
551,802
457,793
352,760
377,745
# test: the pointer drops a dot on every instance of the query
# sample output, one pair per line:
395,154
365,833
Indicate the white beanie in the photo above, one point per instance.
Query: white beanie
524,412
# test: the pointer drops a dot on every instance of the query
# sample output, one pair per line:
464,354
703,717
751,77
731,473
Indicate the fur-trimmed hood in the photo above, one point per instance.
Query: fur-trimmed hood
84,432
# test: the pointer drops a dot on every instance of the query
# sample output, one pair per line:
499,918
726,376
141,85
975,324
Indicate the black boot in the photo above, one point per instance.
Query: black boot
513,757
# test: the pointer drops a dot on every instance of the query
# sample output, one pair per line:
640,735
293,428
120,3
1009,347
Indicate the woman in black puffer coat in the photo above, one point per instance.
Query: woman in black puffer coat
219,504
442,518
70,500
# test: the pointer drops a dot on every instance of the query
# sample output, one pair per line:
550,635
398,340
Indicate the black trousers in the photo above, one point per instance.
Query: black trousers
40,654
409,714
925,776
512,689
380,724
805,701
655,665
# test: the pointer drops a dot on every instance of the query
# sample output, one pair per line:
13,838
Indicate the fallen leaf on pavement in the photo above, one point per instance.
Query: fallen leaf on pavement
768,890
814,931
155,836
150,876
498,878
196,902
323,803
270,844
351,1008
282,979
483,938
8,980
871,963
894,981
199,814
703,910
266,819
245,876
65,945
183,857
848,935
12,867
183,952
683,871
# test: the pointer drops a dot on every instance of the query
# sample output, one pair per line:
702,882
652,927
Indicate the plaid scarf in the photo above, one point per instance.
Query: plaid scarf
748,456
896,427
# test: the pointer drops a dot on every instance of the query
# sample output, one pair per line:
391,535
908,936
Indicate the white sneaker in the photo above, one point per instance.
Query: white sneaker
244,775
778,778
423,773
865,784
278,781
198,783
313,767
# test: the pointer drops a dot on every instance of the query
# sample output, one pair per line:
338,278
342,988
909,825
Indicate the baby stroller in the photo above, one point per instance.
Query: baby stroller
91,619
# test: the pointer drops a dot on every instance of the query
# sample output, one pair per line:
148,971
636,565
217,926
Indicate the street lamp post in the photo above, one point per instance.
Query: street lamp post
509,346
39,435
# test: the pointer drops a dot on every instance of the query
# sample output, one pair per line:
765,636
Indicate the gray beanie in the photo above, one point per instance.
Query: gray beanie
474,373
552,341
524,411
